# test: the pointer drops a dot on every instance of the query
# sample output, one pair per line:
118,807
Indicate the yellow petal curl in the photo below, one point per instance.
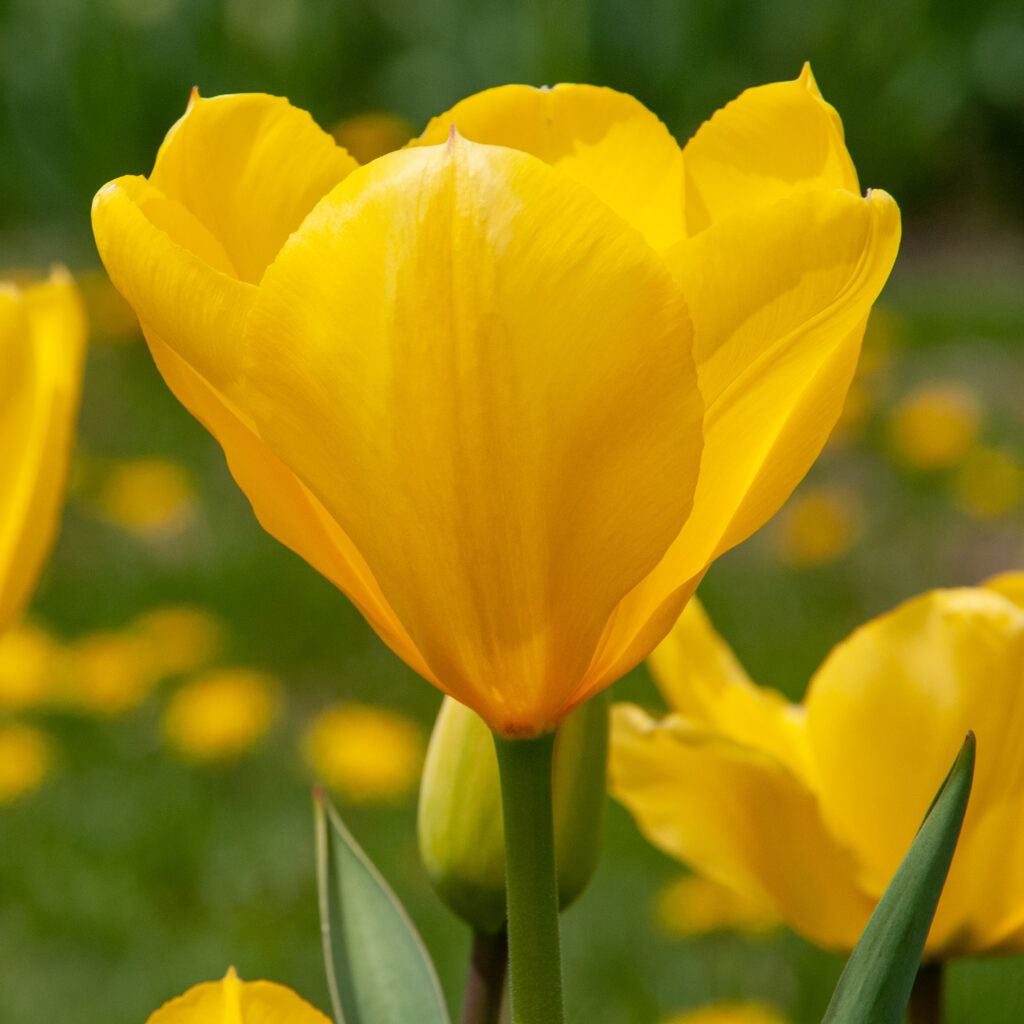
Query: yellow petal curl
770,142
232,1001
42,346
778,298
446,327
739,816
249,168
603,139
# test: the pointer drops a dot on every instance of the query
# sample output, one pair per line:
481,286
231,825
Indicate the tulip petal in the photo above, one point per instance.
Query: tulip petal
174,273
703,682
894,701
740,818
778,299
1009,584
502,368
249,168
601,138
42,344
285,507
768,143
231,1001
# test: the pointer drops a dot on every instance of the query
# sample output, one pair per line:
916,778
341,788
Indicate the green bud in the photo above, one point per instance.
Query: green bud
462,842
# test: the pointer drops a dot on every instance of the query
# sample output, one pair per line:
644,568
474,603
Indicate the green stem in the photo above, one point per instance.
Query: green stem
926,995
535,968
485,985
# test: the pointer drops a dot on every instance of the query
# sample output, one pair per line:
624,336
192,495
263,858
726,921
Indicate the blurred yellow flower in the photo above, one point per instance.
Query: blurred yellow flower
935,424
694,905
366,754
42,345
989,483
180,638
150,496
232,1001
368,136
26,756
818,526
509,388
108,671
811,807
30,666
221,714
730,1013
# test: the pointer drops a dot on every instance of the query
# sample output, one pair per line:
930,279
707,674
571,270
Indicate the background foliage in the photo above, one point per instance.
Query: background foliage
135,871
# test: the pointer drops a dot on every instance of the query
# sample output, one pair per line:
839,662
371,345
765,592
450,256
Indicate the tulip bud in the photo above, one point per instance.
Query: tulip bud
461,838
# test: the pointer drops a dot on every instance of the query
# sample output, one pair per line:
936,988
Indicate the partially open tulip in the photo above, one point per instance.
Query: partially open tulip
42,343
810,807
514,387
233,1001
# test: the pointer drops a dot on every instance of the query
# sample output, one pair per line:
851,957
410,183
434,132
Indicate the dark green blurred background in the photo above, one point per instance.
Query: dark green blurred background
130,876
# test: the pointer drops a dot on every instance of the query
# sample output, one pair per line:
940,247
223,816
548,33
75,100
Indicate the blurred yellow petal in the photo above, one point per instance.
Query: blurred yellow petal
491,483
778,299
738,816
694,905
26,757
231,1001
703,682
221,714
366,754
1009,584
894,702
372,134
730,1013
935,424
770,142
600,138
42,342
249,168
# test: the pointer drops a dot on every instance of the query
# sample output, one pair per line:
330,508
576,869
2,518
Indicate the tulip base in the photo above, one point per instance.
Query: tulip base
535,969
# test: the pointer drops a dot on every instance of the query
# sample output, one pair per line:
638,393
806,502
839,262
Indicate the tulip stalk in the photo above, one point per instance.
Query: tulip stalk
535,969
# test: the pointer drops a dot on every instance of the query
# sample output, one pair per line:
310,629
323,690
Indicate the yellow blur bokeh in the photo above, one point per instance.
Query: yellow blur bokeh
221,714
935,424
26,757
818,526
366,754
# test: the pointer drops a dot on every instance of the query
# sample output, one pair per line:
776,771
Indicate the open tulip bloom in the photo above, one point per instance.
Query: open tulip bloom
514,387
809,807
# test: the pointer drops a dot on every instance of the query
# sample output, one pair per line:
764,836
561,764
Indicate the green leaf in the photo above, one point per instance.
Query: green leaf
875,985
378,970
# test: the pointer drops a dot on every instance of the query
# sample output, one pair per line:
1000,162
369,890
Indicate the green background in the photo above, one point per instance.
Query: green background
131,876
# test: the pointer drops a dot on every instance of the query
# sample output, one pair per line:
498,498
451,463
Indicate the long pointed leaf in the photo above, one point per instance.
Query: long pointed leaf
875,985
378,970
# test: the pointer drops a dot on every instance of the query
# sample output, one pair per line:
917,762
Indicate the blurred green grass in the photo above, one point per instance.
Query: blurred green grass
130,875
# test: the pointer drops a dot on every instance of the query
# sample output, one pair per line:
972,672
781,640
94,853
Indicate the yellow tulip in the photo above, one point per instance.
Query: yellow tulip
810,807
514,387
232,1001
42,344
